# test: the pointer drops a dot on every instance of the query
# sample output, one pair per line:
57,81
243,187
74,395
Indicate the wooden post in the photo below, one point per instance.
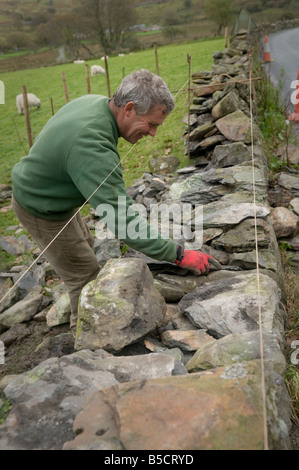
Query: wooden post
65,88
87,78
52,106
189,90
156,59
107,77
26,109
225,36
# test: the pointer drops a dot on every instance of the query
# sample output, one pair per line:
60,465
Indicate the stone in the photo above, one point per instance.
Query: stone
294,203
213,410
106,248
5,285
211,233
12,245
208,89
119,307
238,348
188,184
294,243
190,119
164,164
201,131
289,153
187,169
211,141
142,367
34,278
229,155
41,394
242,237
284,221
5,192
220,214
289,181
228,104
236,126
21,311
231,305
267,259
158,184
54,391
238,176
170,292
189,340
59,312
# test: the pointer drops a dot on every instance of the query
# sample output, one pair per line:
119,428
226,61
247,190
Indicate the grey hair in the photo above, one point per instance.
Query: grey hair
146,90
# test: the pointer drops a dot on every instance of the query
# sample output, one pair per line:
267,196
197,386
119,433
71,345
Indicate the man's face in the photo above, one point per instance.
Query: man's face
137,126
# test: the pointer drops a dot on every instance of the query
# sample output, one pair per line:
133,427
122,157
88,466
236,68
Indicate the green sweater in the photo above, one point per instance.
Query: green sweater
71,157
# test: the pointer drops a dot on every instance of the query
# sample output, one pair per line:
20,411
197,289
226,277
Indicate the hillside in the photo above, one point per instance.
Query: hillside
21,19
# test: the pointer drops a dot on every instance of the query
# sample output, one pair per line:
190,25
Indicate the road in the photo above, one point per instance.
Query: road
284,49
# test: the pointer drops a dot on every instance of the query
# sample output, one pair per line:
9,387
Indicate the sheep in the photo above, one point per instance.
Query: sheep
32,101
78,61
95,69
103,58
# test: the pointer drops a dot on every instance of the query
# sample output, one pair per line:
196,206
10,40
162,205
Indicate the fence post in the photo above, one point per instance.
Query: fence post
65,88
107,77
26,109
52,106
156,59
225,36
87,78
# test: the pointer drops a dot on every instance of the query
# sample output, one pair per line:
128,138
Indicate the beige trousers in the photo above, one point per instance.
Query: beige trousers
71,255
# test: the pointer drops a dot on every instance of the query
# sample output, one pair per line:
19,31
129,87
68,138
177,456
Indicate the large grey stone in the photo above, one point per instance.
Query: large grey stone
220,214
285,222
242,237
232,305
229,155
21,311
237,347
236,127
119,307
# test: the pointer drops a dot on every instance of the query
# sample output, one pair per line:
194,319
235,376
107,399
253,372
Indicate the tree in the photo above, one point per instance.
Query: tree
222,12
18,40
108,21
61,30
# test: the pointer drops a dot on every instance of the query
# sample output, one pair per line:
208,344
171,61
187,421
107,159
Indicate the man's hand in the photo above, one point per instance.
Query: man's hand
196,261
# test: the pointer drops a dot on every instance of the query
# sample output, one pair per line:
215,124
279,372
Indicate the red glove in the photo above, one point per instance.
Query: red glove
195,261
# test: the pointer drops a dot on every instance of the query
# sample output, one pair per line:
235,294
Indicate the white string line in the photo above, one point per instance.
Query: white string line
76,213
265,428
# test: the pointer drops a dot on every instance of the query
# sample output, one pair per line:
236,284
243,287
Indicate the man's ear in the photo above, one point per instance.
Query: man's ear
129,107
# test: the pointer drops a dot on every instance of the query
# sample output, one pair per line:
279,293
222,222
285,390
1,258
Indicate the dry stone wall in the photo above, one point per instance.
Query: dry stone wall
187,373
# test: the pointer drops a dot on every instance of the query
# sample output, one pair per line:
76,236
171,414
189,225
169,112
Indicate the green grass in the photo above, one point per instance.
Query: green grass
47,83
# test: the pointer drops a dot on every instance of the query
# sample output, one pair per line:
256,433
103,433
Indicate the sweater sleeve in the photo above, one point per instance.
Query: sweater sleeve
95,168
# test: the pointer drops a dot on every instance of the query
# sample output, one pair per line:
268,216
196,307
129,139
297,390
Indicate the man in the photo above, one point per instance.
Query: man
75,159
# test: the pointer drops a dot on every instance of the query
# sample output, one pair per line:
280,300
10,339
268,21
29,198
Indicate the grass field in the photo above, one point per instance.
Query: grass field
47,83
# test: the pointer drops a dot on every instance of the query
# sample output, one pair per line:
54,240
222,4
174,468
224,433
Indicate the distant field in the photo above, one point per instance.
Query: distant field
47,83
